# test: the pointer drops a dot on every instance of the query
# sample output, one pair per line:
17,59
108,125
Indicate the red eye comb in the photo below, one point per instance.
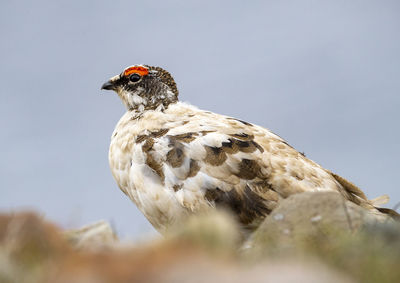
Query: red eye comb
136,69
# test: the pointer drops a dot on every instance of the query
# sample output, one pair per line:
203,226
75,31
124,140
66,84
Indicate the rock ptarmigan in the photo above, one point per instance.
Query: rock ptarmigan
173,159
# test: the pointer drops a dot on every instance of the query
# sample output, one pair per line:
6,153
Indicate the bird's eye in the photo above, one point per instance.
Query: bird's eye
134,77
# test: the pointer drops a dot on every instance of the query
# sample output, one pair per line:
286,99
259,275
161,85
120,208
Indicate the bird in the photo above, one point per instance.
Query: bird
174,160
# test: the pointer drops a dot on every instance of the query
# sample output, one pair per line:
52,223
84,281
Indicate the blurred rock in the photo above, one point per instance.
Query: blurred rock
99,235
314,213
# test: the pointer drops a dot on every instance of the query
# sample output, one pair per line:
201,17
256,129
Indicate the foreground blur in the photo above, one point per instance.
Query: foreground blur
308,238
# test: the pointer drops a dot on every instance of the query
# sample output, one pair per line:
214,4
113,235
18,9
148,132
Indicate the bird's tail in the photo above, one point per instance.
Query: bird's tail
391,212
356,195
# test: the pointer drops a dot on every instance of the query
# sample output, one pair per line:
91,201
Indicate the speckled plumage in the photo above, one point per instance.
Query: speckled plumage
173,159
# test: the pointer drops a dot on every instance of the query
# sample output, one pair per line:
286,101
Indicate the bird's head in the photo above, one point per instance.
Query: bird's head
143,87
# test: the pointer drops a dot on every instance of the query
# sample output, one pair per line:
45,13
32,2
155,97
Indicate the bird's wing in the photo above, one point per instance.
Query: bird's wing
220,161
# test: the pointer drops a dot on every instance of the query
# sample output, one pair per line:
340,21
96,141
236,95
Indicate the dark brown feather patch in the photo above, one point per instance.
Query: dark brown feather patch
241,121
148,145
249,169
215,155
243,136
259,147
141,138
175,157
156,166
230,146
156,134
186,138
177,187
247,205
193,169
159,133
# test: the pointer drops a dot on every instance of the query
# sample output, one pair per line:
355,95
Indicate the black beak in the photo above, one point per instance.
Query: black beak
108,86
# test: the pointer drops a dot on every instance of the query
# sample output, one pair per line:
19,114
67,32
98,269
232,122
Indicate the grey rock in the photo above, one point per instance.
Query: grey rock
312,213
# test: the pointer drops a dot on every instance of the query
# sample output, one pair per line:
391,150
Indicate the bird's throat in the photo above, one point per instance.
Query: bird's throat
140,101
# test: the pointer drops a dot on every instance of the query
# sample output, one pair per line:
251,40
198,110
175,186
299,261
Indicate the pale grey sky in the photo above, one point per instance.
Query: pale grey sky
322,74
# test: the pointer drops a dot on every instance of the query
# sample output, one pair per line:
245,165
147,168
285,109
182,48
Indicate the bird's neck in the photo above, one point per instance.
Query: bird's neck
140,101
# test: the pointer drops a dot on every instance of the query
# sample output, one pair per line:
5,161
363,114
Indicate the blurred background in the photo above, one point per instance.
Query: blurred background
324,75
